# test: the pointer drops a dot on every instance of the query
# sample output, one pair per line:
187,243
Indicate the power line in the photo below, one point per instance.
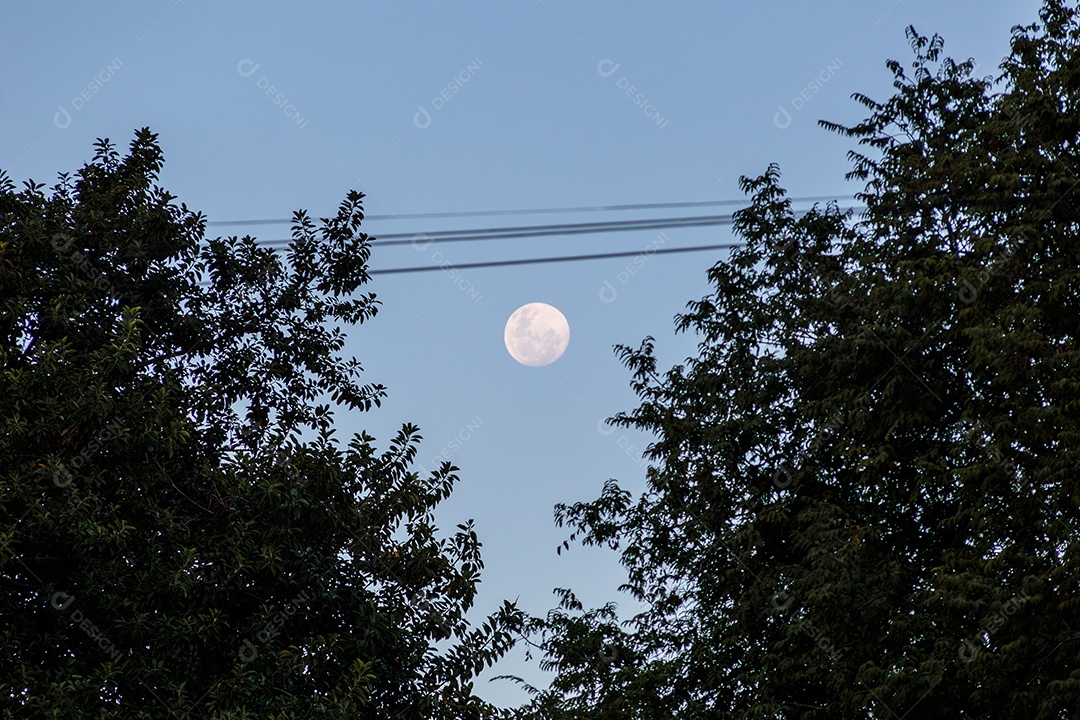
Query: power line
545,230
538,211
550,259
563,258
506,233
559,229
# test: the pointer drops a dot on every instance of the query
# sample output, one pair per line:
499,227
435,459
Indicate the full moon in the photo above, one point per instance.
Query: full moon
536,334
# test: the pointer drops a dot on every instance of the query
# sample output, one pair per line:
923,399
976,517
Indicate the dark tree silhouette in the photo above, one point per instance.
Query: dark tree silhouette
862,500
181,534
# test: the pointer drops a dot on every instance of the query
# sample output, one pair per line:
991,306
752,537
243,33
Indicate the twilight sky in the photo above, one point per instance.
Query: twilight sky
265,108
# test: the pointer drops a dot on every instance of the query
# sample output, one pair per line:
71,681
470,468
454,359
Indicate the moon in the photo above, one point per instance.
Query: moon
536,334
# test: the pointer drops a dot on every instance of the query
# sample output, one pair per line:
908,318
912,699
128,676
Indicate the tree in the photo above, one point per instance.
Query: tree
862,500
181,533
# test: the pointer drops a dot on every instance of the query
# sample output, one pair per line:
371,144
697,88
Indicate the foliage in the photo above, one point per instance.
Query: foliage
862,499
181,534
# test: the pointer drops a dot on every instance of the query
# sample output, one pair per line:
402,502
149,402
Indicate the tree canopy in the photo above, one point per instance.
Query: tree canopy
862,500
181,532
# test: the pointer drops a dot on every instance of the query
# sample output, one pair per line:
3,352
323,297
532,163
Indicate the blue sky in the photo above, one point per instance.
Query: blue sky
265,108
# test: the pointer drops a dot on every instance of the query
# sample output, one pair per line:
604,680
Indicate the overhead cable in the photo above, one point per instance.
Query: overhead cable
506,233
539,211
563,258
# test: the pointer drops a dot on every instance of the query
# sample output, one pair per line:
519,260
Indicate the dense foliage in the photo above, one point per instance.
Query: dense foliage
863,497
181,534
